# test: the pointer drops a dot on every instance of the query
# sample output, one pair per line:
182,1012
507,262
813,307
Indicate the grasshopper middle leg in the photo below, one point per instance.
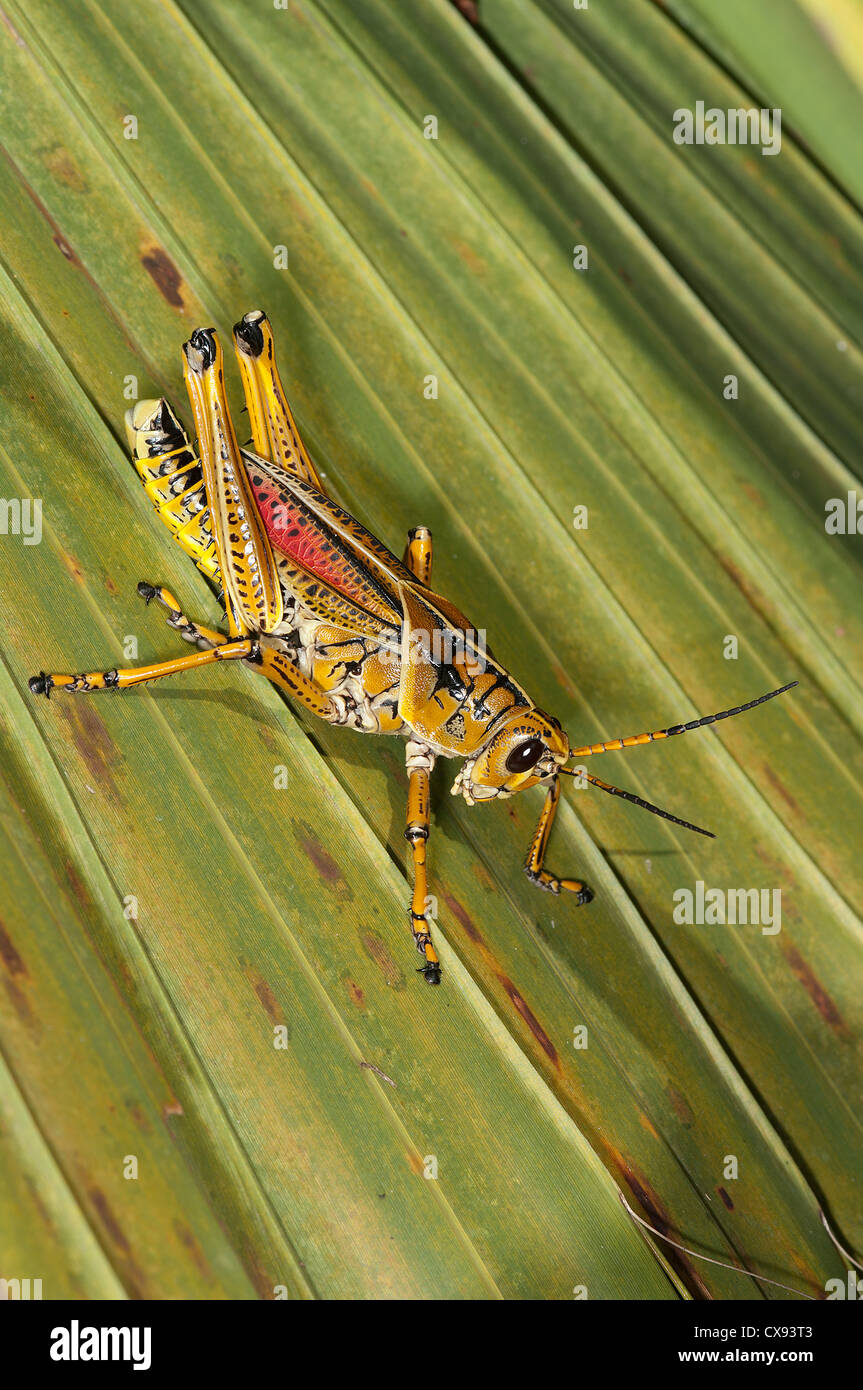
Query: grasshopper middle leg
418,553
420,761
203,637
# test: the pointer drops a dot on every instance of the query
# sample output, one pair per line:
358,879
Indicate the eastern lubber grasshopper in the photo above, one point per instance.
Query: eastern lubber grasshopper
322,609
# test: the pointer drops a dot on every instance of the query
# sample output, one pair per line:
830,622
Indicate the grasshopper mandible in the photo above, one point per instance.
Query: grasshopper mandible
322,609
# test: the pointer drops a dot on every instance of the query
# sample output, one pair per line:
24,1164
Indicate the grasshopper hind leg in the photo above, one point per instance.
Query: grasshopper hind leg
275,436
123,678
171,474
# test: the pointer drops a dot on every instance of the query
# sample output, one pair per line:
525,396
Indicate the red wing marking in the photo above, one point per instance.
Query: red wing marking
293,528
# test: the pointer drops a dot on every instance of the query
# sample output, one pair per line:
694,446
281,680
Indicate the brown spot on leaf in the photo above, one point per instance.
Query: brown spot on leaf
267,737
164,274
64,248
654,1212
10,955
472,260
90,736
778,870
264,1280
355,993
324,863
816,991
130,1272
753,494
780,788
461,915
725,1197
189,1242
739,579
270,1001
415,1162
109,1220
72,565
173,1107
469,8
530,1019
76,883
377,950
21,1004
139,1117
481,873
36,1198
322,859
646,1123
58,238
680,1105
60,163
266,995
232,269
564,679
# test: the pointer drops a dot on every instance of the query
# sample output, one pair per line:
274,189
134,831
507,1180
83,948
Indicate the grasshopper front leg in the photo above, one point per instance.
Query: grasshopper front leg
420,761
539,844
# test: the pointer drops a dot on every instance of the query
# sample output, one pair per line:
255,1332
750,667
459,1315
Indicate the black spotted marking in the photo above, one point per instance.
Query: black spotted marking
455,725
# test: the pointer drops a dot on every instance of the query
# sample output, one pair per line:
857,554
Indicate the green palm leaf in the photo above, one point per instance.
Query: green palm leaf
171,912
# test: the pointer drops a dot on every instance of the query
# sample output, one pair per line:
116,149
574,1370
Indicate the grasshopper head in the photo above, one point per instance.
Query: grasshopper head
529,747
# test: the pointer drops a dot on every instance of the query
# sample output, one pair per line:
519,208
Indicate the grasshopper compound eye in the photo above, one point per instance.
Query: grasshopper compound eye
525,755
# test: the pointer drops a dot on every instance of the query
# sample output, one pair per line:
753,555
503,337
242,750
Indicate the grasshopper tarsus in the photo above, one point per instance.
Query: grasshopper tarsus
40,685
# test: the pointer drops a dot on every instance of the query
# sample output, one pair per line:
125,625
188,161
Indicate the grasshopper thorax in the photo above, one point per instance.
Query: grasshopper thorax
527,749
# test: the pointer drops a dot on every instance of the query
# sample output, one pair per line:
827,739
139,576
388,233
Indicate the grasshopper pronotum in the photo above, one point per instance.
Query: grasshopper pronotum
322,609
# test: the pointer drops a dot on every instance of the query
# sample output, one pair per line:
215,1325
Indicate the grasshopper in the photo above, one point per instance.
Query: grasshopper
320,607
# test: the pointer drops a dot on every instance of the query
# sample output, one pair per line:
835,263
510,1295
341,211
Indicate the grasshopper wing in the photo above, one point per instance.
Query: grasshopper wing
320,538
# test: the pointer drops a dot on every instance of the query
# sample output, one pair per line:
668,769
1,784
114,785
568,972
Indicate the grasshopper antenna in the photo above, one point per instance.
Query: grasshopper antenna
614,745
637,801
